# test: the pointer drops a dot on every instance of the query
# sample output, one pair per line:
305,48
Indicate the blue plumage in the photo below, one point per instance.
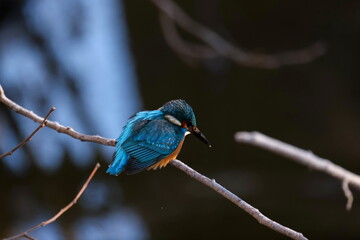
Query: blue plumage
152,136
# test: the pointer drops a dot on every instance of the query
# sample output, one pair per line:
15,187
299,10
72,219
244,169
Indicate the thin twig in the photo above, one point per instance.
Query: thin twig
301,156
31,135
262,219
217,187
28,237
54,125
348,194
219,46
62,211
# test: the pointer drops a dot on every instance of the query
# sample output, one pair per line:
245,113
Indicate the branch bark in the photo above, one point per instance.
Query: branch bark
254,212
304,157
61,212
178,164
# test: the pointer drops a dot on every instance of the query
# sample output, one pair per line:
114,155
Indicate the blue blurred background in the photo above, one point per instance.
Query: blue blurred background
100,61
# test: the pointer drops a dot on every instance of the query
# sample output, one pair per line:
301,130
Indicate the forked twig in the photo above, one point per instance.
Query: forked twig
61,212
304,157
54,125
31,135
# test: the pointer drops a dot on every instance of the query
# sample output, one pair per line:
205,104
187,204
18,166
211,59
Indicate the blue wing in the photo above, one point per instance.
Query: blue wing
135,123
154,141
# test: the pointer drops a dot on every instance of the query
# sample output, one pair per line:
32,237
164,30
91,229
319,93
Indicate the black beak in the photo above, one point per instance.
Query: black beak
199,135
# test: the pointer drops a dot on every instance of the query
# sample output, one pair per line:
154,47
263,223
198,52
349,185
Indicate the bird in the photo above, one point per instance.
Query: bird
151,139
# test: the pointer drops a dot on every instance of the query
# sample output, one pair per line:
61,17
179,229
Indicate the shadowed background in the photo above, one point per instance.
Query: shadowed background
98,62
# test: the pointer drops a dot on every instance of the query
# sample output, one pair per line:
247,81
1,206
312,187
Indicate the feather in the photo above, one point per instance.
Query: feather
134,125
154,142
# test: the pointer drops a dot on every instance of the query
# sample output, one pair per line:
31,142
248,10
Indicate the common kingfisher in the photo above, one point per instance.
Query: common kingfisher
151,139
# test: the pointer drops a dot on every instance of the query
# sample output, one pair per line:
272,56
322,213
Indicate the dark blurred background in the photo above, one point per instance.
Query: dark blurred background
98,62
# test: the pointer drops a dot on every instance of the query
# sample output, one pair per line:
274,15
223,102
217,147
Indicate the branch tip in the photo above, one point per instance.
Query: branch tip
2,93
348,194
254,212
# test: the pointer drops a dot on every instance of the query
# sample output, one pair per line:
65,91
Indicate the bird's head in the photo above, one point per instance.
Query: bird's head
179,113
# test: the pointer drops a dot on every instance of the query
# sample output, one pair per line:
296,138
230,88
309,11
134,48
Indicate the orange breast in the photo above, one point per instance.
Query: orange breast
162,163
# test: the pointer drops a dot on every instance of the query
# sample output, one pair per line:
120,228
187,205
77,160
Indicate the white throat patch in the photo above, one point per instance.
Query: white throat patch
173,120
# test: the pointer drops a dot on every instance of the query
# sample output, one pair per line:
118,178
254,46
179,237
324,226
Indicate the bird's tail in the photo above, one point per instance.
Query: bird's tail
120,160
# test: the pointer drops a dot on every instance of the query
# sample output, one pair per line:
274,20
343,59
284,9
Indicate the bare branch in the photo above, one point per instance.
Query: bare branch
183,167
219,46
31,135
61,212
301,156
255,213
54,125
